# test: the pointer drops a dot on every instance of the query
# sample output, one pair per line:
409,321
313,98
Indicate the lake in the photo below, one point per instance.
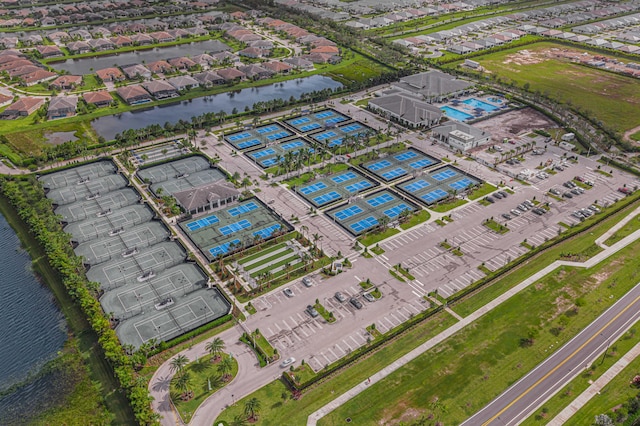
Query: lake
111,125
32,328
83,66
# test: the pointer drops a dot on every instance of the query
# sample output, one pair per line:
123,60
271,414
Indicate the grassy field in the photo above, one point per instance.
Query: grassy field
276,411
612,98
416,219
629,228
484,189
33,142
471,368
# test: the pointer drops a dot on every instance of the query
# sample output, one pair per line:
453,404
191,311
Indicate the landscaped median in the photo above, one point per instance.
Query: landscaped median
265,353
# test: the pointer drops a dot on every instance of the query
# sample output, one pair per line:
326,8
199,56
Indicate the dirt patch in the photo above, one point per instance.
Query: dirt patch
527,57
407,417
514,123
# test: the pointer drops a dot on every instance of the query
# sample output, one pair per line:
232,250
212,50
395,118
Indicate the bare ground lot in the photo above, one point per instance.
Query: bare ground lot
514,123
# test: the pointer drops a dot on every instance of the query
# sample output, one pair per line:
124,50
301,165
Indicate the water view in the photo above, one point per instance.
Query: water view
109,126
89,65
32,328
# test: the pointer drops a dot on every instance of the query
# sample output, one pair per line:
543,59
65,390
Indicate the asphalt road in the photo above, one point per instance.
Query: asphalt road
520,400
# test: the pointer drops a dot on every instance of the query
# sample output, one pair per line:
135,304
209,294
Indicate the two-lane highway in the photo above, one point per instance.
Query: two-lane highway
520,400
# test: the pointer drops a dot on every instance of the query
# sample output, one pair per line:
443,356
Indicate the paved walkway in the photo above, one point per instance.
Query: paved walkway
595,387
351,393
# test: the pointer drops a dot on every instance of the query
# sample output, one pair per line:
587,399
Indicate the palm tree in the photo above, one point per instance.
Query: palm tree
251,408
183,384
225,367
178,363
238,421
215,348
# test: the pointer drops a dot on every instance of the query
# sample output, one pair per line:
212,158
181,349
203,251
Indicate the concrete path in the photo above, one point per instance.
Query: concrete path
380,375
595,387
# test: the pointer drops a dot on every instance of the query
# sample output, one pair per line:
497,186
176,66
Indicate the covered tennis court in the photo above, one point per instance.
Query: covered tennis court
438,184
401,164
242,225
104,204
78,175
86,190
364,214
93,228
339,186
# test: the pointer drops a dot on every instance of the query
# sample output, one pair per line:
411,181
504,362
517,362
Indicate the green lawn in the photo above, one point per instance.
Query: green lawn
608,96
472,367
324,313
495,226
376,237
450,205
276,411
201,372
416,219
269,258
261,253
282,262
484,189
628,229
307,177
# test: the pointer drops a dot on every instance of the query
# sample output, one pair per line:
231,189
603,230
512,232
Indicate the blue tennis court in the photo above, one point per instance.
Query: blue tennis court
397,210
461,184
445,174
380,199
324,114
344,177
416,186
358,186
351,128
266,232
291,145
348,212
244,208
269,162
223,248
312,188
248,144
395,173
298,121
234,227
262,153
267,129
364,224
326,198
278,135
201,223
405,156
325,135
379,165
335,120
335,142
433,196
421,164
309,127
238,136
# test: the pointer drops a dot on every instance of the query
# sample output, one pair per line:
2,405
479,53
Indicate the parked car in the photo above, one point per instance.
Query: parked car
522,207
575,191
489,200
369,297
554,191
528,203
287,362
288,292
506,216
567,195
580,190
340,297
579,178
588,182
503,193
498,195
307,281
559,168
625,190
356,303
539,211
312,311
515,212
594,208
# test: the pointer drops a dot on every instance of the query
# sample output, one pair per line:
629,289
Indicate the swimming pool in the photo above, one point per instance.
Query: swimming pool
495,100
477,103
456,114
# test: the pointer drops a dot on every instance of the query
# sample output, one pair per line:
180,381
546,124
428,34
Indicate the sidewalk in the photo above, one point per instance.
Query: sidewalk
351,393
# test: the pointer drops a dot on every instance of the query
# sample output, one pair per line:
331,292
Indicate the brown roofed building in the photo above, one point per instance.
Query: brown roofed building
159,67
49,51
206,197
160,89
37,76
231,74
134,95
62,107
110,75
66,82
22,108
182,63
277,67
100,99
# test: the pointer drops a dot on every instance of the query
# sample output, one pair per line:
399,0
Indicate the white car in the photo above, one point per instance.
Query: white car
287,362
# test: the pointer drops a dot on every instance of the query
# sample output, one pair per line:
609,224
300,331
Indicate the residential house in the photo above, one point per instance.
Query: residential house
108,75
76,47
136,71
100,98
252,52
22,108
37,76
134,94
100,44
183,63
204,60
208,78
5,100
332,50
121,41
266,45
183,82
162,37
80,35
225,57
159,67
256,72
299,63
49,51
62,107
66,82
231,74
141,39
277,67
160,89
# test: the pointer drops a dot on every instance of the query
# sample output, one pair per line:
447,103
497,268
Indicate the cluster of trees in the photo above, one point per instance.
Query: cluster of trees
28,198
